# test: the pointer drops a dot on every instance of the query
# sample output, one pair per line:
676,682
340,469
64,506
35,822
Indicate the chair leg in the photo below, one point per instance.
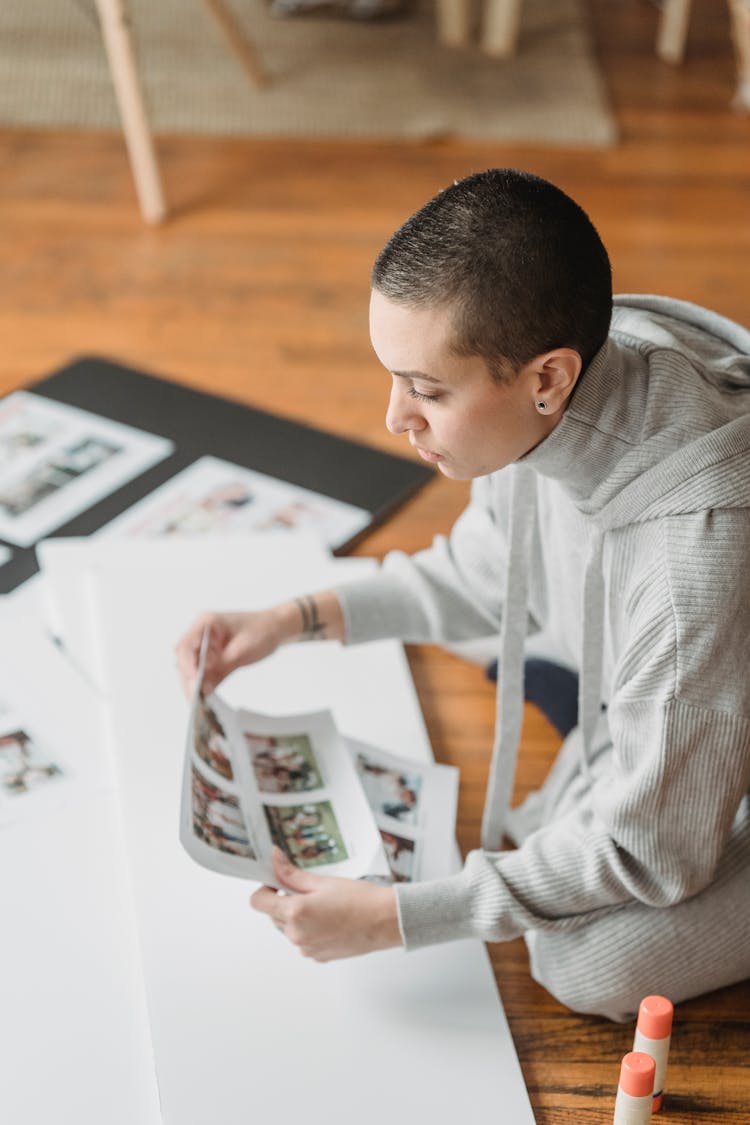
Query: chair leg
454,22
116,31
740,15
500,27
239,43
672,34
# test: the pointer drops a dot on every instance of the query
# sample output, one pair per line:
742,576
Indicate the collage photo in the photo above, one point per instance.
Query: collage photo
309,834
253,781
27,770
286,764
57,460
394,791
217,817
283,763
219,497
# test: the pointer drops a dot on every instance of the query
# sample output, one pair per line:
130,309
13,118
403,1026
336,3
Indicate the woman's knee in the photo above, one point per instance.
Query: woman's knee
586,979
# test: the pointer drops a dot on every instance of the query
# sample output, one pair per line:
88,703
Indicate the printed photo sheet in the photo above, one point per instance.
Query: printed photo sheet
33,775
217,496
414,804
56,461
50,750
251,781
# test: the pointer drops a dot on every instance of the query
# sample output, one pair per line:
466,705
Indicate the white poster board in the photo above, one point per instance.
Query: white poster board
240,1022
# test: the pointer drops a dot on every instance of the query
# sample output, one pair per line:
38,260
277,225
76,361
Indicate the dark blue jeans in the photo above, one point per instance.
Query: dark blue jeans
552,688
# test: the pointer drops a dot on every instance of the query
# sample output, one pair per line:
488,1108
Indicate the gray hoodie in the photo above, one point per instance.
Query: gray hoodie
623,541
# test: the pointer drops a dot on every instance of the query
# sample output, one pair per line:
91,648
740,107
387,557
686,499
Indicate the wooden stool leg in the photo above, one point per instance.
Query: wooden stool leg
502,20
242,47
740,13
122,65
672,34
454,22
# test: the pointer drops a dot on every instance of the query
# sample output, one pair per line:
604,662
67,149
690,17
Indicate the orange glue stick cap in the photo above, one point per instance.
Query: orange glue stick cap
655,1017
637,1073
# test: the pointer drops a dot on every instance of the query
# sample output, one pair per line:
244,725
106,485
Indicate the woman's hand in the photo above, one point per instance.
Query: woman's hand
329,918
234,639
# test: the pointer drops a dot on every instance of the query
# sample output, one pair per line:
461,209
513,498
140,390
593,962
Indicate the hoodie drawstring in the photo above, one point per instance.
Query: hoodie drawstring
592,651
510,692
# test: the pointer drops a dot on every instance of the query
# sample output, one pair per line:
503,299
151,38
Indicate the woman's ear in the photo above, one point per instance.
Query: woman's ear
555,375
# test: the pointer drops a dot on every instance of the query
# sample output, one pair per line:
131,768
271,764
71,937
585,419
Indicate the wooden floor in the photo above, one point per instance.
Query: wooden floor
257,288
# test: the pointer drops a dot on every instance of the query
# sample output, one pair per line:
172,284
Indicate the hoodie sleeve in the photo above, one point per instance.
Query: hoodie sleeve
671,760
446,593
583,864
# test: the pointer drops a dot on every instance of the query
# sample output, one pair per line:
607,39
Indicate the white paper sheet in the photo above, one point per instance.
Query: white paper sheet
66,564
75,1042
56,461
241,1023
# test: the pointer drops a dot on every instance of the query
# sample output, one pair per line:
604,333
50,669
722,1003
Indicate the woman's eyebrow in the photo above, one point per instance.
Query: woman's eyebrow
415,375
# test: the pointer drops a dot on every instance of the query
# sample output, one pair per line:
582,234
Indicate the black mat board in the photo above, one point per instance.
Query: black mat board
202,424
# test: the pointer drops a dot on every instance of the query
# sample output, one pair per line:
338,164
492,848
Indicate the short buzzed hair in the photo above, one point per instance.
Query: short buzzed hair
515,259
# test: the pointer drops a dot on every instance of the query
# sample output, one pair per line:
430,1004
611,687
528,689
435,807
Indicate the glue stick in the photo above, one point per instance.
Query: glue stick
652,1035
635,1090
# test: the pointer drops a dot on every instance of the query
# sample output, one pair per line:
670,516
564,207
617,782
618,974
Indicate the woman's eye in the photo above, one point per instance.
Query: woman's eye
413,393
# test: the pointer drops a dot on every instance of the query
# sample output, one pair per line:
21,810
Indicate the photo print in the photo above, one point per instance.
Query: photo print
401,854
217,496
414,806
391,791
252,780
217,818
210,740
283,763
23,430
221,507
309,834
24,767
54,474
56,461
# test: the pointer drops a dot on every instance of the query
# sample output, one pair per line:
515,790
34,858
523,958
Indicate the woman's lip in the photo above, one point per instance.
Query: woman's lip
427,454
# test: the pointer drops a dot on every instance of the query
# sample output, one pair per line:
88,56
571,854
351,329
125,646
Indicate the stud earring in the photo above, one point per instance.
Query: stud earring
541,405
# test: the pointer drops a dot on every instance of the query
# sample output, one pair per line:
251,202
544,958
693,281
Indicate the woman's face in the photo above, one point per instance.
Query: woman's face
454,413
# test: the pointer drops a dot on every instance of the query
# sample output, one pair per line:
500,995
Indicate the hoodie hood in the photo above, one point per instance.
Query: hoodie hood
714,344
659,423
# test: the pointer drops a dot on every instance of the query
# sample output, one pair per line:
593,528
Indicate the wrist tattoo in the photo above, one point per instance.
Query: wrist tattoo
313,628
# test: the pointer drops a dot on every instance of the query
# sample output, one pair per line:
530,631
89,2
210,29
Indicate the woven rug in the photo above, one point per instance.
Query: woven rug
329,76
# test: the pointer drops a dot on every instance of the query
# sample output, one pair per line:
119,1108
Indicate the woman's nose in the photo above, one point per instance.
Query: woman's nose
402,413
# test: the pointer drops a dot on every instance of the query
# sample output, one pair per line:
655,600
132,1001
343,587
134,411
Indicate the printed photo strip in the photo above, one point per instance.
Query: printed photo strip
252,781
414,807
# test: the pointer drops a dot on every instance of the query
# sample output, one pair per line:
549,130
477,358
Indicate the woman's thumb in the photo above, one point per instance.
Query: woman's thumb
290,876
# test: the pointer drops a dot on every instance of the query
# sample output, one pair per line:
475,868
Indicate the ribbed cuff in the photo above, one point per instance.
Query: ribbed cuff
439,910
378,608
